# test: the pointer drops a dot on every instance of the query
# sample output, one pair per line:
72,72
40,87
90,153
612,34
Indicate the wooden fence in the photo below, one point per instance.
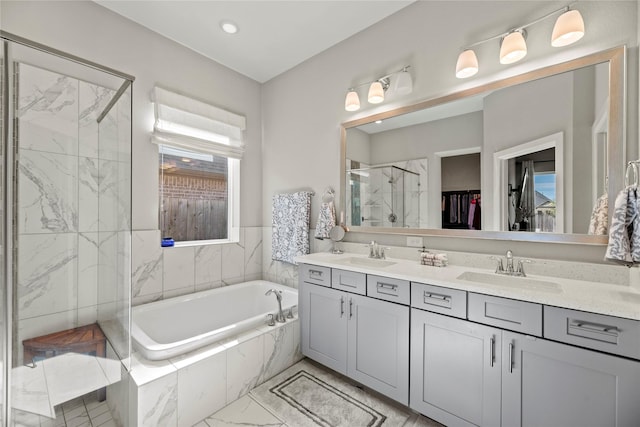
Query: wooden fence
193,219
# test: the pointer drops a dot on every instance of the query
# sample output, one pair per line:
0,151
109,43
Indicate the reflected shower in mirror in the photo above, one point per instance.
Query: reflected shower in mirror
561,124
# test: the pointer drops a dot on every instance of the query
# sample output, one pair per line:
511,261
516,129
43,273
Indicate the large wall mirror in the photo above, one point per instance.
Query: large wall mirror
524,158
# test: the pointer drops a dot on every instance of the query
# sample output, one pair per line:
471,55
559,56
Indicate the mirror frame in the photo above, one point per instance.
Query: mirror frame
616,149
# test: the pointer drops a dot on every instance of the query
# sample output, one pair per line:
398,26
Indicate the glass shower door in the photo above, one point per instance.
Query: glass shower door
70,327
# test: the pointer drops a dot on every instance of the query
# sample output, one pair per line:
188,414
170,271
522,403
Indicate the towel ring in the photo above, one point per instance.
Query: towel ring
633,166
328,196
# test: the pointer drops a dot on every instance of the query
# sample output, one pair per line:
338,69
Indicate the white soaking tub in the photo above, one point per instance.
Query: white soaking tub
167,328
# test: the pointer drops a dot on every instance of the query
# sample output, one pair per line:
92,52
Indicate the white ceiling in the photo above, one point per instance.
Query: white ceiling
274,36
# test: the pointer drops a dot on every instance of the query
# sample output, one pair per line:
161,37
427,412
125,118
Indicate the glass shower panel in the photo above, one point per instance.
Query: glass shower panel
3,270
71,306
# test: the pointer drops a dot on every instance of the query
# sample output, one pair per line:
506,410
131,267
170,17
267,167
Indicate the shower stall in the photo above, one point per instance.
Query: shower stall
384,196
65,125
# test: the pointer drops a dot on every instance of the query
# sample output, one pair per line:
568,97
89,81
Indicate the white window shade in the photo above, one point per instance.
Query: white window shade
190,124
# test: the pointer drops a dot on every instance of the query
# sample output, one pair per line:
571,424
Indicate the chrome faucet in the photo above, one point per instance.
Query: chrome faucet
509,269
376,251
509,262
280,316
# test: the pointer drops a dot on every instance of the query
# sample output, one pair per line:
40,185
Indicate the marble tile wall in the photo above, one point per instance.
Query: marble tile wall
184,390
73,203
159,273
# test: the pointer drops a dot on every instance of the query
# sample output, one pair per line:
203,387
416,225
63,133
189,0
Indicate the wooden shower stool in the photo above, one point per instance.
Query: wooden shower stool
87,339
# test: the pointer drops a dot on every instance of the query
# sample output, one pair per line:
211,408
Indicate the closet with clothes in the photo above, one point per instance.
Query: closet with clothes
461,202
461,210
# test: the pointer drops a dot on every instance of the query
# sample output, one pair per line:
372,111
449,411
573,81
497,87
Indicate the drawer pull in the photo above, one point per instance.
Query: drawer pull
594,331
316,273
437,299
492,351
387,288
510,357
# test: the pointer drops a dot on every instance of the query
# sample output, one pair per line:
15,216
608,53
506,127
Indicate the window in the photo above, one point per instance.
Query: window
200,148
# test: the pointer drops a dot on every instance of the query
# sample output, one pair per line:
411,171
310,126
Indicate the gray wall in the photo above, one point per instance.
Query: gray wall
427,35
92,32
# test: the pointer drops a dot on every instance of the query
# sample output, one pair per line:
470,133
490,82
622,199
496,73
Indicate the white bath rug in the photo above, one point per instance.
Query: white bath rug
305,395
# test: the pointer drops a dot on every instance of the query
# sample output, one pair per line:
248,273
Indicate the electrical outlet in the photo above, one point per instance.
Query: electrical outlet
414,241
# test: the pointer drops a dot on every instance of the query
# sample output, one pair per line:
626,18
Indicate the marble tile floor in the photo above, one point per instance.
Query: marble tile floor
248,412
83,411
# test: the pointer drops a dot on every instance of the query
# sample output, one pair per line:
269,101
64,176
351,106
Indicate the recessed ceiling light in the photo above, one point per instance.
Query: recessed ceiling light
378,122
229,27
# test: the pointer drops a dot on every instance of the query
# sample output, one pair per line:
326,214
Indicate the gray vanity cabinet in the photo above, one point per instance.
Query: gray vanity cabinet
378,349
324,325
364,338
455,370
545,383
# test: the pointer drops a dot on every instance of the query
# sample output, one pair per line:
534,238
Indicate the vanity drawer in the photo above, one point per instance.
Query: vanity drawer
349,281
452,302
315,274
394,290
597,331
505,313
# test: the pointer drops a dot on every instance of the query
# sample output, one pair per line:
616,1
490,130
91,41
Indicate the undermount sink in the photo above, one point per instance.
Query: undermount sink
510,281
369,262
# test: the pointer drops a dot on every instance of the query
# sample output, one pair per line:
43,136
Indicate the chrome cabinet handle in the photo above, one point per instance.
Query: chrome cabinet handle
390,286
437,296
510,357
350,308
315,272
341,307
492,351
594,327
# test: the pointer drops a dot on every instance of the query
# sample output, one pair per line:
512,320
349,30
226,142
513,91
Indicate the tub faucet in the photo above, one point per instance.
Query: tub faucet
280,316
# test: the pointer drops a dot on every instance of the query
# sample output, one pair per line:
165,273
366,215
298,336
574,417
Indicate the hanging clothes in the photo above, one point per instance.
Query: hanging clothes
477,220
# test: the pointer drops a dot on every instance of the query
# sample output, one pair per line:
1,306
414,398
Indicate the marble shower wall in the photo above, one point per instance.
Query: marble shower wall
159,273
73,202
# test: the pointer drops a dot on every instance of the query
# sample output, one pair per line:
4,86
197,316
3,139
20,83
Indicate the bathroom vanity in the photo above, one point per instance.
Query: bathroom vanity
468,347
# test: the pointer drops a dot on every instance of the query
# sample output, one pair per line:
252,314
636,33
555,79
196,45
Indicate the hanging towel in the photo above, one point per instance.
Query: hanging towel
624,234
290,228
600,216
326,220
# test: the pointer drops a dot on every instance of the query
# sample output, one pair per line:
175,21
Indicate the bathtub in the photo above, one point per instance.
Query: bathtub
168,328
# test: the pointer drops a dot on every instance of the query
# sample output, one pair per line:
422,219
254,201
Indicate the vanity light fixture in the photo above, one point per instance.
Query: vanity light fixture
399,82
568,29
513,47
352,102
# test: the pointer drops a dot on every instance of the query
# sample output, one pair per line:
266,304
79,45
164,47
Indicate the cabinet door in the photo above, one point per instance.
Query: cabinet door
551,384
324,325
379,346
455,370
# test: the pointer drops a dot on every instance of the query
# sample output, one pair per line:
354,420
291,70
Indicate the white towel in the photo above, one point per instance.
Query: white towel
326,220
290,231
624,234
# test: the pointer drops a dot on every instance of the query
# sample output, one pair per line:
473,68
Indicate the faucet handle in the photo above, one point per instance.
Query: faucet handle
290,313
520,269
270,321
499,266
509,254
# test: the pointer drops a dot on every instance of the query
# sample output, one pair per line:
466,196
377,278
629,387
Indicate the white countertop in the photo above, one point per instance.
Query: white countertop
602,298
